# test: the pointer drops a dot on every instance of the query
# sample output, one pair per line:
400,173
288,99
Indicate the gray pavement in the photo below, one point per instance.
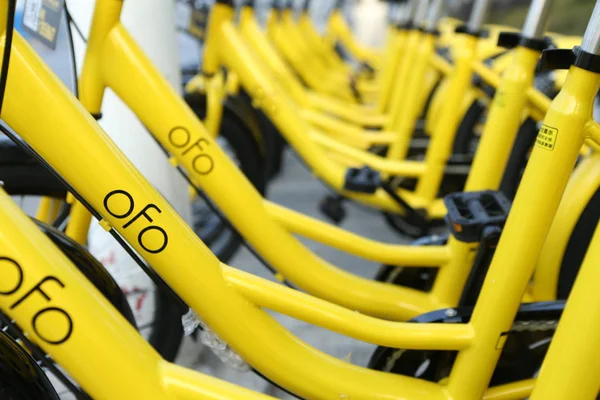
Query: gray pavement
297,189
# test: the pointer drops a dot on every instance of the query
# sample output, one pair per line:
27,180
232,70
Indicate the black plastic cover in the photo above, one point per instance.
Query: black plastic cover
363,180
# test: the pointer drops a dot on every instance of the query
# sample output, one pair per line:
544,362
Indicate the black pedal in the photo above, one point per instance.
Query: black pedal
362,180
470,213
333,208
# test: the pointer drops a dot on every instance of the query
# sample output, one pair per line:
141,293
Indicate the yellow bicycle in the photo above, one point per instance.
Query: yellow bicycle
60,311
269,228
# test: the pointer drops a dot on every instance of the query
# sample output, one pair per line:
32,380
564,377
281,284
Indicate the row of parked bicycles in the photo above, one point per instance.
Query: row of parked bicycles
476,141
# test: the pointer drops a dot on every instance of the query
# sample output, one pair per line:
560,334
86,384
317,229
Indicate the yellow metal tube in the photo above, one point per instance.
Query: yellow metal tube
185,384
384,165
257,39
487,74
405,119
215,96
316,42
72,312
552,160
440,147
35,99
338,24
285,116
394,56
583,184
570,368
503,122
359,115
128,72
338,319
538,100
44,210
210,60
393,254
441,64
398,95
341,129
79,223
511,391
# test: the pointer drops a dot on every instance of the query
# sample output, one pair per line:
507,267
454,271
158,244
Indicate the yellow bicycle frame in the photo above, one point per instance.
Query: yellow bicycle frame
315,41
569,366
115,61
338,30
310,68
228,45
357,114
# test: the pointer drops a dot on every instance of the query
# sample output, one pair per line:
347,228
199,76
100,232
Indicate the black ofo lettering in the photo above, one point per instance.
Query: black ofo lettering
147,230
119,193
143,212
38,288
203,164
54,310
197,144
145,233
179,137
19,270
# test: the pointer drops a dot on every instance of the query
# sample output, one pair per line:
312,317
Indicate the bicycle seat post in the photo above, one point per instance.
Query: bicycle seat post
403,13
478,14
410,11
435,12
420,15
591,38
537,19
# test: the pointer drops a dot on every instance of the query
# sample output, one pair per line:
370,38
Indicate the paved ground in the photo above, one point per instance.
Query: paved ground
297,189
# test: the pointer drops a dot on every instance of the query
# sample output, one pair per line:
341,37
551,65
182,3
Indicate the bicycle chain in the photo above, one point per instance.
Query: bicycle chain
517,326
534,326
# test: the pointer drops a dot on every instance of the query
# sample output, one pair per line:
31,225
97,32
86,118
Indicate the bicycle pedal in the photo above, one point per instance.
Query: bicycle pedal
362,180
333,208
470,213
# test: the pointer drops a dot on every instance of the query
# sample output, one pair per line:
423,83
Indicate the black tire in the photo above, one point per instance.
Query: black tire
421,278
520,358
21,378
275,143
465,135
518,158
23,176
577,246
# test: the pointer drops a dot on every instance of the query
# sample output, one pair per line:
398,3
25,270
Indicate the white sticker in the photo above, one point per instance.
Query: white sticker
31,14
42,18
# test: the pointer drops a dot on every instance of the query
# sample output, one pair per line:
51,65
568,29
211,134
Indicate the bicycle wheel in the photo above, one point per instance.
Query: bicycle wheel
157,316
15,384
577,246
